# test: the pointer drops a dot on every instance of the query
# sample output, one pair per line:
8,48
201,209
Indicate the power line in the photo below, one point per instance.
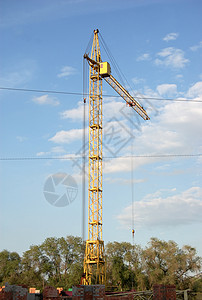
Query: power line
40,91
106,157
104,96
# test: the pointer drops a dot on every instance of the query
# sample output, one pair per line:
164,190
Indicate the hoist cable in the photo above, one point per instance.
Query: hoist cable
132,203
83,167
113,61
84,157
88,48
122,78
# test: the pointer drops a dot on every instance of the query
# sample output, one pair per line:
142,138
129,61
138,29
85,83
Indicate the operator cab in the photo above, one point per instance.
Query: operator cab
105,69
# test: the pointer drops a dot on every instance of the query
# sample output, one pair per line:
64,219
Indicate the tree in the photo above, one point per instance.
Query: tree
34,267
165,263
71,253
64,257
9,266
56,262
50,249
59,262
123,264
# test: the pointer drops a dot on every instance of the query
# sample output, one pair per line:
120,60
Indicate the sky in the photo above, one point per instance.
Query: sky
152,170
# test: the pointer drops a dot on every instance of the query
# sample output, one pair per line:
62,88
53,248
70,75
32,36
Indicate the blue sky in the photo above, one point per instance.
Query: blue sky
158,46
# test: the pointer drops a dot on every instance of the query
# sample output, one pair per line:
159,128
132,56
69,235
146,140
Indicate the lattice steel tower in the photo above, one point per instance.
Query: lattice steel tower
94,261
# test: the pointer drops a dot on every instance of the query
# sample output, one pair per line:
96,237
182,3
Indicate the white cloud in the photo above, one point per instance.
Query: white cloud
66,137
179,76
145,56
123,164
171,57
111,107
75,114
175,130
21,138
160,209
42,153
16,78
46,100
195,90
138,80
122,181
57,149
196,47
67,71
167,89
171,36
18,74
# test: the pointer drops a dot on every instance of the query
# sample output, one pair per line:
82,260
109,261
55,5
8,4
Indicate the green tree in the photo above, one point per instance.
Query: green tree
10,264
71,252
56,262
165,263
34,267
64,260
50,250
59,262
123,265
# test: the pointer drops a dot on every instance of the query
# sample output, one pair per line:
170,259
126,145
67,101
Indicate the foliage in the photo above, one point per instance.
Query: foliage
9,266
165,263
59,262
123,265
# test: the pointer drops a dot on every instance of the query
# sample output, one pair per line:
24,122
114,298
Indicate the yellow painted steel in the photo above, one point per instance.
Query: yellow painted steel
126,96
94,262
105,69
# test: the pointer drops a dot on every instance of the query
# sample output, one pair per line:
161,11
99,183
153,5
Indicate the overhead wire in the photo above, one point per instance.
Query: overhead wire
104,96
84,94
105,157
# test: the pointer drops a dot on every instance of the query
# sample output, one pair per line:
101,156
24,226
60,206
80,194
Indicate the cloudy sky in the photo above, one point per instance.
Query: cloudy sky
151,169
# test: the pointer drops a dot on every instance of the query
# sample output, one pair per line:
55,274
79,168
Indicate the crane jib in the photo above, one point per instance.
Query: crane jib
119,88
126,96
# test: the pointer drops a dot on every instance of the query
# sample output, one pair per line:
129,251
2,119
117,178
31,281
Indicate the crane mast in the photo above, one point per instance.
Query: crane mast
94,260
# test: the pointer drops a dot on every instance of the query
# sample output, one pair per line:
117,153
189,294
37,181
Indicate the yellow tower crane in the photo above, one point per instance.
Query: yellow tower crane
94,260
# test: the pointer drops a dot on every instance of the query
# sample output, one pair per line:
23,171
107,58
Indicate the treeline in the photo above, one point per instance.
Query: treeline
59,262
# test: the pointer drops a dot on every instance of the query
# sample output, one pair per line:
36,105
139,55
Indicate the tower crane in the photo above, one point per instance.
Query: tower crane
94,259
